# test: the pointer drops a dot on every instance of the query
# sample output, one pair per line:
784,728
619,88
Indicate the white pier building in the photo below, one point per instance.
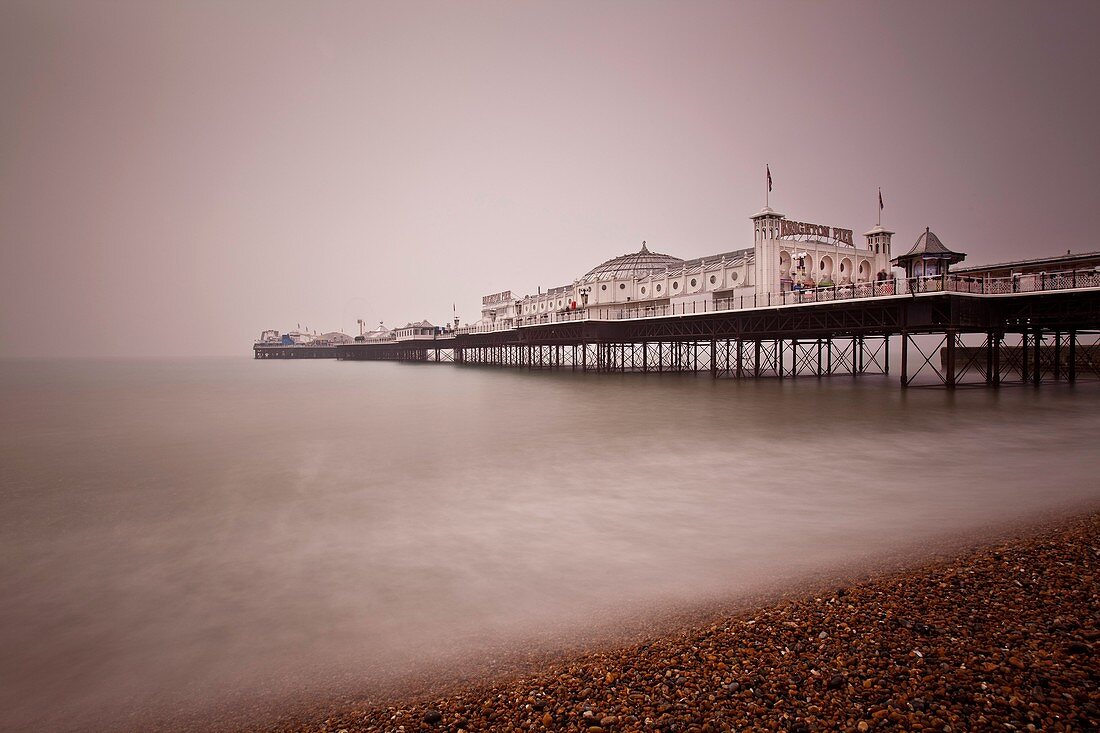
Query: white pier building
785,255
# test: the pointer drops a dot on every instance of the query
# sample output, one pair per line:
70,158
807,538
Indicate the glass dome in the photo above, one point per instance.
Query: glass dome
633,265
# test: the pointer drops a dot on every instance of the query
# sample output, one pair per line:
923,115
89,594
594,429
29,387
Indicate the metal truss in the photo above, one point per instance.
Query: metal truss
926,361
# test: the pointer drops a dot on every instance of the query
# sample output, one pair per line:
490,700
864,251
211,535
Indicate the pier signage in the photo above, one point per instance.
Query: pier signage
497,298
788,228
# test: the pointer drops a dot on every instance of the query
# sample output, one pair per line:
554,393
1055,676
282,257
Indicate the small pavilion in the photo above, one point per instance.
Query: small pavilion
928,257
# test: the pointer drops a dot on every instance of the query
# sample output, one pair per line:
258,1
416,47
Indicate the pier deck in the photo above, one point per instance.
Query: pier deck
982,338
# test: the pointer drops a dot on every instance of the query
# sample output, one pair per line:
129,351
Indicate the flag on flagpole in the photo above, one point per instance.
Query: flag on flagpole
769,170
880,204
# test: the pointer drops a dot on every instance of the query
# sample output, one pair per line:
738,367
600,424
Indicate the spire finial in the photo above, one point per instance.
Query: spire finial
644,250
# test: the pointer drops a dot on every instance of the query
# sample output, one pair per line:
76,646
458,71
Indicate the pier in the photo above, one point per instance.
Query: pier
802,301
293,351
949,331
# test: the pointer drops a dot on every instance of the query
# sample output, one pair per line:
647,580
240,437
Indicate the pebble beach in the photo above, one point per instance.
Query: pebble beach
1002,638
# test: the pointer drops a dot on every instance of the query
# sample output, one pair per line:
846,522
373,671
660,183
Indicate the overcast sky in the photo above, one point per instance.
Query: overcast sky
175,177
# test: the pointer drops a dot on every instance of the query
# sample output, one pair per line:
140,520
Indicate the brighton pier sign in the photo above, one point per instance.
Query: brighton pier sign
789,228
496,298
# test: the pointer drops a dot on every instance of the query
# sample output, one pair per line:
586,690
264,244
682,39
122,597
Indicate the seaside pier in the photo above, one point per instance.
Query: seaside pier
802,301
946,336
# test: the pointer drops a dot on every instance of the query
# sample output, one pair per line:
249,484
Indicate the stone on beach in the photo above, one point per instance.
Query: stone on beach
974,643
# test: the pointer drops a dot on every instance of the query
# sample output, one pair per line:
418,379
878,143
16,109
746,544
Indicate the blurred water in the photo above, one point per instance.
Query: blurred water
176,534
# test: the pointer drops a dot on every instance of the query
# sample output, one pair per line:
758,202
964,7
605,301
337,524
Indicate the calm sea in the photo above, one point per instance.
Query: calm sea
176,535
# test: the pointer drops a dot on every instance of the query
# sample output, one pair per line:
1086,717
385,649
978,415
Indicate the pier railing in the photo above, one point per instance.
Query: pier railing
1029,283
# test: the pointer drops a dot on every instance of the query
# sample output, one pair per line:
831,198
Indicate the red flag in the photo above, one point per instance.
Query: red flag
769,170
880,205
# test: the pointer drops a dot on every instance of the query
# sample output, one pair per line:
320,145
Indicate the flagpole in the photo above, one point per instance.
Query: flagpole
767,185
880,206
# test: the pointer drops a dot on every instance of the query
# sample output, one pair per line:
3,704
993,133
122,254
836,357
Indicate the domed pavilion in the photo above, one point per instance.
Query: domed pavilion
632,265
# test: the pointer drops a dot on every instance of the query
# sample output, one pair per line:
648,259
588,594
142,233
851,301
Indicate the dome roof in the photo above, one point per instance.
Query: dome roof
635,264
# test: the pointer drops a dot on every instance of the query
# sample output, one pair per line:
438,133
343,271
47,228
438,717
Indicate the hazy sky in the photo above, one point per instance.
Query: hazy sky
175,177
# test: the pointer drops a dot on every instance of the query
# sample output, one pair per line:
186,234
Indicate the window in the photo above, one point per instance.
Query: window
622,286
603,287
713,279
675,285
643,290
658,288
733,277
694,282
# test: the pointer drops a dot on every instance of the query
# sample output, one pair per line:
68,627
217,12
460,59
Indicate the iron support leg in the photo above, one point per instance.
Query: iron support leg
1023,357
1071,366
990,349
904,359
1057,355
952,337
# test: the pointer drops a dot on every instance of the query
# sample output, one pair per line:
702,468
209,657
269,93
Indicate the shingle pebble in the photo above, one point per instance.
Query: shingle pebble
1004,638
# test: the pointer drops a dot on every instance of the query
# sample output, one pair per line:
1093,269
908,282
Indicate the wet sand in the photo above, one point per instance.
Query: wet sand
1004,636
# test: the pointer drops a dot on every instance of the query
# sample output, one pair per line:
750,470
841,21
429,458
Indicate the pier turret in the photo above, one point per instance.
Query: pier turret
769,271
878,240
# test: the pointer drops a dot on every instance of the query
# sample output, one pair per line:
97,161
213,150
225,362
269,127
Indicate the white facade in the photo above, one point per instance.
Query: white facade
499,310
415,331
792,255
784,255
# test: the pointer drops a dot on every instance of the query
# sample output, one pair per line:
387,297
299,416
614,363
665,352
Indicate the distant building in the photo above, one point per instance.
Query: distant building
378,335
332,338
296,338
414,331
499,309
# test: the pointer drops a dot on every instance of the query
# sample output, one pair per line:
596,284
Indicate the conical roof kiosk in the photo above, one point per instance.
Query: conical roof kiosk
928,257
